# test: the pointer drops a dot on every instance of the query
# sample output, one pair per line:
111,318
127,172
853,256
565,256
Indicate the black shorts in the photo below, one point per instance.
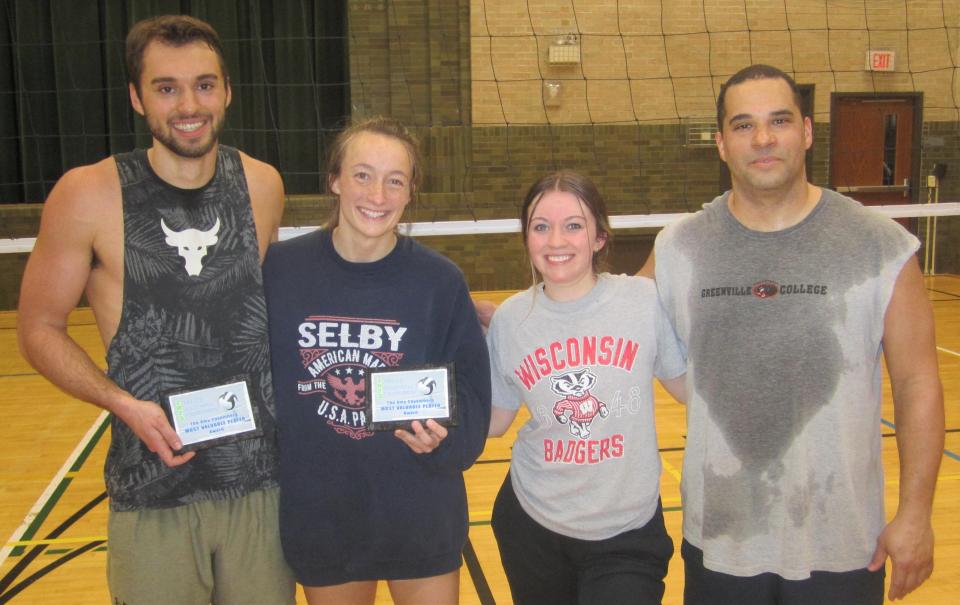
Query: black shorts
705,587
546,567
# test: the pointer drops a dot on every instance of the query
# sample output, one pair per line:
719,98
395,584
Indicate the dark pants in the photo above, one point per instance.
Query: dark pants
705,587
544,567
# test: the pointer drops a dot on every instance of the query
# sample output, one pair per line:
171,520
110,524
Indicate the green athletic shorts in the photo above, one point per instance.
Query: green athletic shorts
215,551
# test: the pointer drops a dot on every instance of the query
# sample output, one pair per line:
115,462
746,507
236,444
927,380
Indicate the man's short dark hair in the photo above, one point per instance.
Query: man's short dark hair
172,30
755,72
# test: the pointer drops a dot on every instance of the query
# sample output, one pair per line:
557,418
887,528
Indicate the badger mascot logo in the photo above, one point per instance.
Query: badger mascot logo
583,407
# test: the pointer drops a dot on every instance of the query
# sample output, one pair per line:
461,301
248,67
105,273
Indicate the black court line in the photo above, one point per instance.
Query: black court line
476,574
944,292
27,582
61,488
946,452
61,551
19,375
16,570
957,430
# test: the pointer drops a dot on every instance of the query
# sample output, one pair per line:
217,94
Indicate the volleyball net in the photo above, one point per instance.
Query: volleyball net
590,81
500,91
928,216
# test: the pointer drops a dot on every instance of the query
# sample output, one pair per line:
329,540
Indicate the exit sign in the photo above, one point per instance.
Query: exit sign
881,60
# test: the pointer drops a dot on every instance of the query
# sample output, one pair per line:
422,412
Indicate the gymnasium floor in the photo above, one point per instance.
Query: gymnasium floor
53,516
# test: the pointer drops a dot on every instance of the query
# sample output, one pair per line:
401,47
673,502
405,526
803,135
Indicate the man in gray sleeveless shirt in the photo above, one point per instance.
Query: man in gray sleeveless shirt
166,243
784,295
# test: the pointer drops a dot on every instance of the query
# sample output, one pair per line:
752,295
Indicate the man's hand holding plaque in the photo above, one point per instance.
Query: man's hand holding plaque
212,415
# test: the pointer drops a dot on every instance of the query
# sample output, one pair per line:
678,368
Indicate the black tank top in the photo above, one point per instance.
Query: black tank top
193,316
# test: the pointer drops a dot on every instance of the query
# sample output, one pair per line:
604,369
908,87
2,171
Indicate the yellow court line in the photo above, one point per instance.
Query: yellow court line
48,494
670,468
48,542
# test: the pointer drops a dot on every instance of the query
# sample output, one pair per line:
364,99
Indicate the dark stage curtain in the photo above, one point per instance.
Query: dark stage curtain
63,85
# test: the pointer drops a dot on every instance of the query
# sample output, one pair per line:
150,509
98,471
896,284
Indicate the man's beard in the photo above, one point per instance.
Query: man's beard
164,134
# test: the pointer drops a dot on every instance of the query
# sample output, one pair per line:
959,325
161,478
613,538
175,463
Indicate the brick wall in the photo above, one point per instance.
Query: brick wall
649,60
468,74
649,69
640,169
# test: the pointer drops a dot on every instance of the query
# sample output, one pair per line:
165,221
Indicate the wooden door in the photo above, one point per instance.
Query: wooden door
872,150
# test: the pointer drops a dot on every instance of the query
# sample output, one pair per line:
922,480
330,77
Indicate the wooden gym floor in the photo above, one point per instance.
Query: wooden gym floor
53,515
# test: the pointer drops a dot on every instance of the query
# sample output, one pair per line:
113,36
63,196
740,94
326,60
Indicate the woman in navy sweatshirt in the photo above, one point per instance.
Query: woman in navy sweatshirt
357,505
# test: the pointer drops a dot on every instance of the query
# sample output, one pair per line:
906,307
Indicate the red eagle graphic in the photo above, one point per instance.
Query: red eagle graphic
347,390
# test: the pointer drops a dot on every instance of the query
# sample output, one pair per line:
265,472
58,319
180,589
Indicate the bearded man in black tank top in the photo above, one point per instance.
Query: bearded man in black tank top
166,243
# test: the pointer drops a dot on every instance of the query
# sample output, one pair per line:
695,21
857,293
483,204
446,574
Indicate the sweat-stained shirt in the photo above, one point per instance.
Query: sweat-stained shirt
783,330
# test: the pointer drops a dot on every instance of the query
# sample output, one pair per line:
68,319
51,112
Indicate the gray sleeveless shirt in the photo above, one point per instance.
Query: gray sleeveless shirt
782,471
193,316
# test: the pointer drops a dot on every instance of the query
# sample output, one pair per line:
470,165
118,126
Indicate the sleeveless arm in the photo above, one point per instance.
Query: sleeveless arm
55,277
909,348
266,199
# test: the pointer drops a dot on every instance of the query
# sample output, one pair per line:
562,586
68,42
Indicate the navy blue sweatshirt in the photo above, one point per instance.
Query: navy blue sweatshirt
358,505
